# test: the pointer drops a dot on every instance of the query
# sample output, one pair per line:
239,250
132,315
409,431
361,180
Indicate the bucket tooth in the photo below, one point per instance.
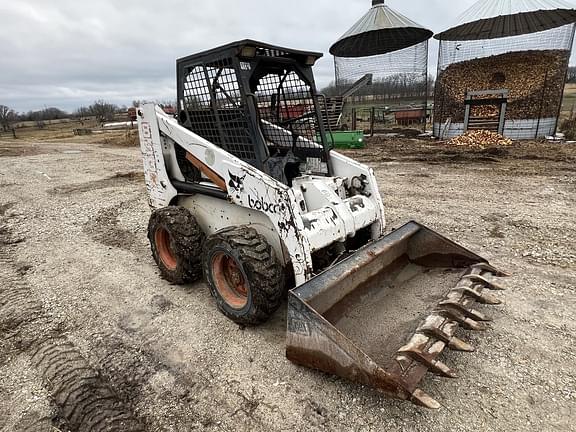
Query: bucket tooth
435,366
456,344
492,285
481,298
469,313
488,268
453,342
467,323
423,399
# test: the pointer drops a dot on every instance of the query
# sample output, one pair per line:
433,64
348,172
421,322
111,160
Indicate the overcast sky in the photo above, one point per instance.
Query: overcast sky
68,53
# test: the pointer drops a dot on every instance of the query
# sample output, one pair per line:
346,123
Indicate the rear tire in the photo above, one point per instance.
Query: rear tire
176,240
244,275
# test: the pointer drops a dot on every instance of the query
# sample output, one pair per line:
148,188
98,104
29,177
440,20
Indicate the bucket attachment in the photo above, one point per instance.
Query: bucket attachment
383,316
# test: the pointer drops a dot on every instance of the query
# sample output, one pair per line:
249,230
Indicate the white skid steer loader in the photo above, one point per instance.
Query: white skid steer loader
246,191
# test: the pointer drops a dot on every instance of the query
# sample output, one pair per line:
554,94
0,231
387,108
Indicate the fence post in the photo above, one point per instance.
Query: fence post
372,115
14,133
542,104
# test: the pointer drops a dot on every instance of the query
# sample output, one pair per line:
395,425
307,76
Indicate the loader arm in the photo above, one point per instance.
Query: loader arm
245,185
315,213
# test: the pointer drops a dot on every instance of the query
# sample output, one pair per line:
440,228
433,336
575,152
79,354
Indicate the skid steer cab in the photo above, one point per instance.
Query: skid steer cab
246,191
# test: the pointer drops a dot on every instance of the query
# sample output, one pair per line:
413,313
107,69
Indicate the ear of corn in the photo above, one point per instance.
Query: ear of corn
534,79
480,139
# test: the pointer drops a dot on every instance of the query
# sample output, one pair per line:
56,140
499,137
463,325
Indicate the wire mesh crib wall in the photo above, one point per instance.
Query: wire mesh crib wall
381,66
511,84
398,92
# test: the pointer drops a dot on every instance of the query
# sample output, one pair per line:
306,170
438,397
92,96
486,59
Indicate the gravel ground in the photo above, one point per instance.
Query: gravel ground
83,311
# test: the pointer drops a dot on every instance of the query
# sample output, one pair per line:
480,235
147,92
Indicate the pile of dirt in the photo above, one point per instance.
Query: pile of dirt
481,139
117,180
405,132
382,149
123,138
15,148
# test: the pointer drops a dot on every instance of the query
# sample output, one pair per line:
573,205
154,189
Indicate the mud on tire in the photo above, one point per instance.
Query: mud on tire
176,240
244,275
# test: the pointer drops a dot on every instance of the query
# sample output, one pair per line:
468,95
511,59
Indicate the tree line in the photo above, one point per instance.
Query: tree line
100,110
397,86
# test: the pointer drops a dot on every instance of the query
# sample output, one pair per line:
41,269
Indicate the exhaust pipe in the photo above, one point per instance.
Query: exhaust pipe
383,316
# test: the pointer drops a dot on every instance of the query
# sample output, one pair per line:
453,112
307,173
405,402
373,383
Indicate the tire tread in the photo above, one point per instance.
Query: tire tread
188,239
264,271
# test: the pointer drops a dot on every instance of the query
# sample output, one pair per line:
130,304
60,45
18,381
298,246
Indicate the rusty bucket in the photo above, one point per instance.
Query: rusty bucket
383,316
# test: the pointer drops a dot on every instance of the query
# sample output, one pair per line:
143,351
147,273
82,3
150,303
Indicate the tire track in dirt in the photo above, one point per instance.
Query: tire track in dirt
170,394
117,180
89,385
132,364
111,378
84,400
105,229
5,207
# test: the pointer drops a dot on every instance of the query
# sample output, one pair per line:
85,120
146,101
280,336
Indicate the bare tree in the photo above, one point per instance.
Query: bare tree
82,114
7,117
52,113
38,118
103,111
137,103
168,103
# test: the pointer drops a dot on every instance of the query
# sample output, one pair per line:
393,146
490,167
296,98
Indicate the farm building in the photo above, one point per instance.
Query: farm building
382,68
503,68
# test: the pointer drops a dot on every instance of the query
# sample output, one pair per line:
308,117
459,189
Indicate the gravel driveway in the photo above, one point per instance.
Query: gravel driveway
89,331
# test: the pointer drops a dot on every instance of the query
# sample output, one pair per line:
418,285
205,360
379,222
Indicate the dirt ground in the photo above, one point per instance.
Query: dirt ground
89,331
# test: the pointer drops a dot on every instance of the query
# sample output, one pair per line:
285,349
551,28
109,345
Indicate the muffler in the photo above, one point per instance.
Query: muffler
383,316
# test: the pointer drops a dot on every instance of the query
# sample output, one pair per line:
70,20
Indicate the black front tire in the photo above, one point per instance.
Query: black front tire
176,240
244,275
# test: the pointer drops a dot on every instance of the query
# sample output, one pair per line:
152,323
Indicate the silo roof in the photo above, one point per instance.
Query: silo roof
380,31
491,19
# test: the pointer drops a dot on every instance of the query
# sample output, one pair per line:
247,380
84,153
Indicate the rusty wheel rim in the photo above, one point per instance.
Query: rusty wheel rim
229,280
163,240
